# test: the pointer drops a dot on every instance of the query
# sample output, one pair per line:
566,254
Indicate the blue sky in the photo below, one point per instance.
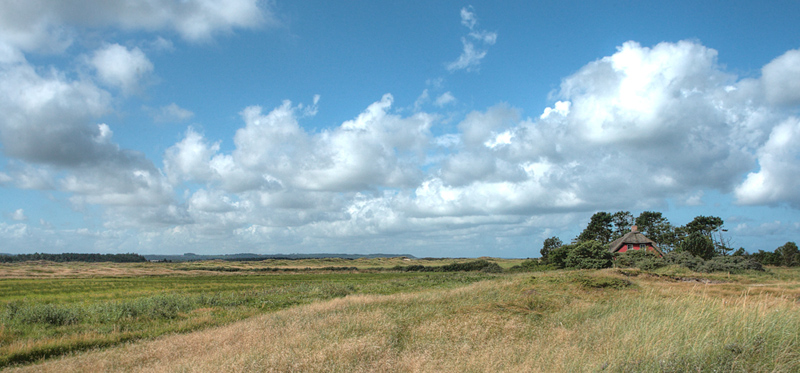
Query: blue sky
446,129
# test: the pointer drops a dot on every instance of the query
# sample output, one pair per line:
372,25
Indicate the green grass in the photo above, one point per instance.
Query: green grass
620,320
49,317
556,321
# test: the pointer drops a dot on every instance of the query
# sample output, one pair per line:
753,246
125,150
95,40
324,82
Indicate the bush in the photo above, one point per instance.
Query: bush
683,259
729,264
558,256
602,282
532,265
475,265
41,314
588,255
492,268
471,266
641,259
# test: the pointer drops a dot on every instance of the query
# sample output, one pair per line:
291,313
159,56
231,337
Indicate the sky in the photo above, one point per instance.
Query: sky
436,129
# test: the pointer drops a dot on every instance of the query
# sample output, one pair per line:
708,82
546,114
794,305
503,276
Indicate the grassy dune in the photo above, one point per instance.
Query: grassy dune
555,321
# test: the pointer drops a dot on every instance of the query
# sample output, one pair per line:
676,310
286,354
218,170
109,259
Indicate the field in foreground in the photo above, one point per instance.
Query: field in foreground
49,310
614,320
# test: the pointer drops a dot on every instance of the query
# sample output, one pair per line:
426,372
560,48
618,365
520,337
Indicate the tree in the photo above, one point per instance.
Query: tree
550,244
789,254
707,226
589,255
599,229
622,221
698,245
767,257
656,227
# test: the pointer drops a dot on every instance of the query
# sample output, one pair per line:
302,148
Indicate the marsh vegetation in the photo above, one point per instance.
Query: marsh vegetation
669,319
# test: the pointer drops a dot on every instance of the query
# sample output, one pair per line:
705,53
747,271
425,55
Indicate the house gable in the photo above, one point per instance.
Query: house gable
634,240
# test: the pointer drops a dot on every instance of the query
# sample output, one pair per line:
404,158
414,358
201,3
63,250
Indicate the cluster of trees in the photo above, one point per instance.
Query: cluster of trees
74,257
701,238
787,255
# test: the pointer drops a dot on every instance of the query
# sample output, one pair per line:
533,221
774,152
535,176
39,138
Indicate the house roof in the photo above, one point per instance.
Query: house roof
632,237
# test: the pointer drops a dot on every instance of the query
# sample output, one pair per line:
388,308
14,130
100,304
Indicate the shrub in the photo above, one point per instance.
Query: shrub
532,265
588,255
471,266
492,268
558,256
641,259
716,264
41,314
602,282
475,265
334,290
683,259
729,264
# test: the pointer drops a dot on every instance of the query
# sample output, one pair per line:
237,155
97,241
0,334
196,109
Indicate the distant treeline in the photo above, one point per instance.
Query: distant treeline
247,257
787,255
74,257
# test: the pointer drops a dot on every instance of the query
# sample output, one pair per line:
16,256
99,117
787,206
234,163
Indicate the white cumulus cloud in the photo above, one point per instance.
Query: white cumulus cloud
781,79
52,26
120,67
777,180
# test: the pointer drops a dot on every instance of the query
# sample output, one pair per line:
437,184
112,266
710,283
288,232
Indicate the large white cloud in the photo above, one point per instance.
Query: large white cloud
49,130
46,117
376,149
781,78
190,158
777,180
628,131
51,26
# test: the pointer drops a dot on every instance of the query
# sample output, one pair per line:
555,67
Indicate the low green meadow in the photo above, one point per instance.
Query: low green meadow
46,317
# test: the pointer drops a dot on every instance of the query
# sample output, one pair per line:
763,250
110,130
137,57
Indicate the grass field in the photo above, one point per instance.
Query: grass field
53,309
613,320
44,269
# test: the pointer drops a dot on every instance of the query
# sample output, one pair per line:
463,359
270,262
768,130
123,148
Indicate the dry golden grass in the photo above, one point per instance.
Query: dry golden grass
46,269
519,323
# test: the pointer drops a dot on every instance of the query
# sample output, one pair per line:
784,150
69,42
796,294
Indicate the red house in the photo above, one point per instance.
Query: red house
634,240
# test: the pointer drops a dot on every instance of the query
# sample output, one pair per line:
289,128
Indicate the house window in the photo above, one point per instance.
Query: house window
630,247
642,246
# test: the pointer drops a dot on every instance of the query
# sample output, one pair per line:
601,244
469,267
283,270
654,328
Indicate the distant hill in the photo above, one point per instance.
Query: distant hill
73,257
255,257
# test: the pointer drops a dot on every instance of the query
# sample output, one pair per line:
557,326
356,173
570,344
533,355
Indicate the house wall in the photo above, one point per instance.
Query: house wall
650,248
